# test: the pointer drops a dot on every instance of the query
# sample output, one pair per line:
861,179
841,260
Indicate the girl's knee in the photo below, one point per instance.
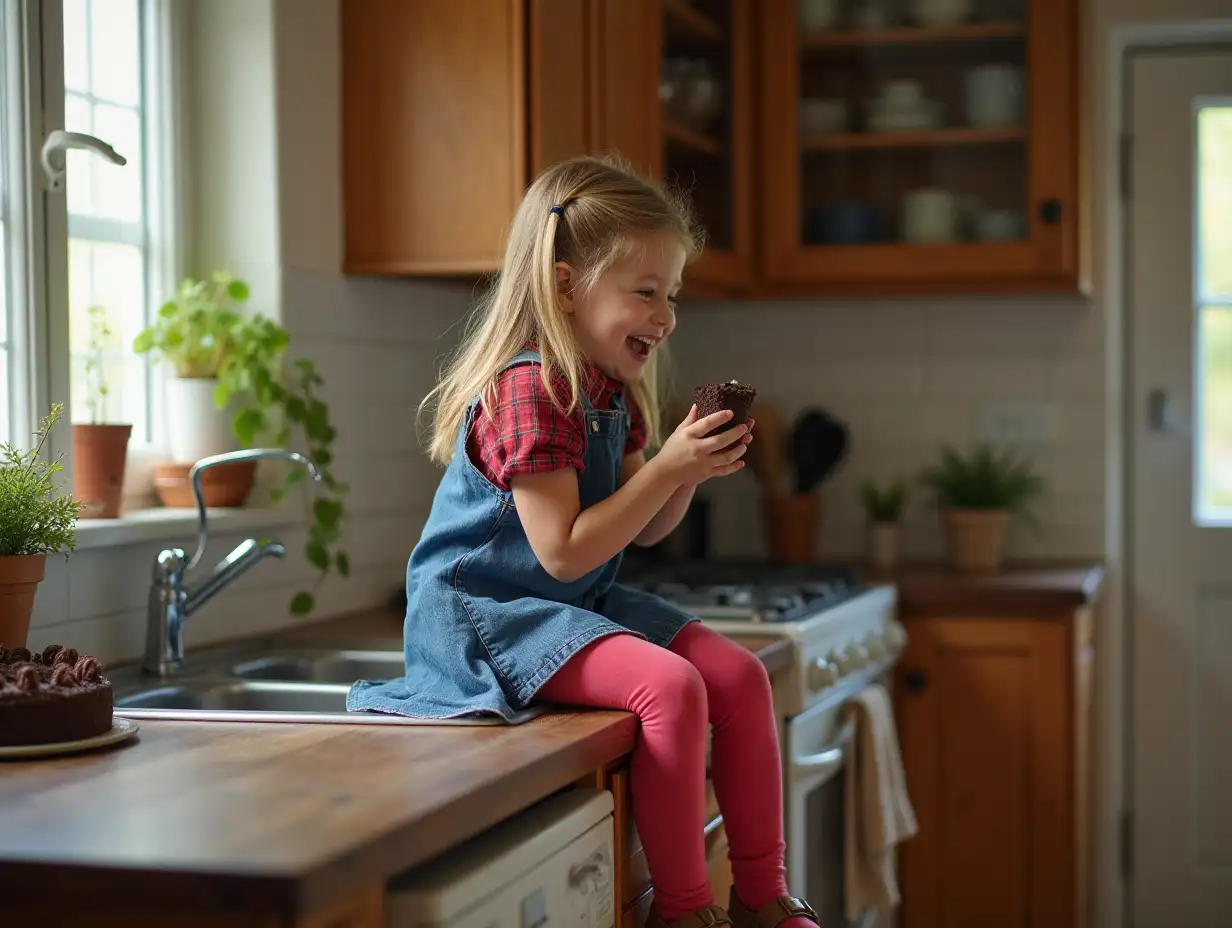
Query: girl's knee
741,679
671,686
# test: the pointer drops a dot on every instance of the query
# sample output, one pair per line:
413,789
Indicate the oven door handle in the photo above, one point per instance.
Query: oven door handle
823,763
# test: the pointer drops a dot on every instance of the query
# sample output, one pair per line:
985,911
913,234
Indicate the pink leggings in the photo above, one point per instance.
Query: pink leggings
702,678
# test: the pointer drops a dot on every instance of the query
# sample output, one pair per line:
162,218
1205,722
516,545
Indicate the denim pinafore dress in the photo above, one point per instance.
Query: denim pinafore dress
486,625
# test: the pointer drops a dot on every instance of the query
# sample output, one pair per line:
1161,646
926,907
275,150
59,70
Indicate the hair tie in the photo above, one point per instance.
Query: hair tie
558,210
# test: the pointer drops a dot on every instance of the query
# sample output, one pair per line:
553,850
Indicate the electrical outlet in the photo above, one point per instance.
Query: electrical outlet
1014,423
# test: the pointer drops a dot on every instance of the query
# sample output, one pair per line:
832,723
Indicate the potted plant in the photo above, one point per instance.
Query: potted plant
976,495
100,449
36,519
885,509
238,361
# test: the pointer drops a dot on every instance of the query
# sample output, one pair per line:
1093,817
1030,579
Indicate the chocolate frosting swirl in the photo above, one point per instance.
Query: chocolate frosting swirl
88,670
50,652
62,675
26,678
66,656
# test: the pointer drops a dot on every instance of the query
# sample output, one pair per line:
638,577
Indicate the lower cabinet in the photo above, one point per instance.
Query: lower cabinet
994,719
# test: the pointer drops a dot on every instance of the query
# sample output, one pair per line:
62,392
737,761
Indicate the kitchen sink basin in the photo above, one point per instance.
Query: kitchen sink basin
324,666
241,695
269,683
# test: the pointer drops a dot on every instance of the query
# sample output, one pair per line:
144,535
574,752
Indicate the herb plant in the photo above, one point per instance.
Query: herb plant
884,506
35,516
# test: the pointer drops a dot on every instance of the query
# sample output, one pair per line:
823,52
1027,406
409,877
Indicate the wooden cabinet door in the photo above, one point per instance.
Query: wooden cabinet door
676,100
449,110
904,158
984,721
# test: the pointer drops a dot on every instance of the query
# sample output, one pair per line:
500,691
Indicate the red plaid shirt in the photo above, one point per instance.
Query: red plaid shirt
526,434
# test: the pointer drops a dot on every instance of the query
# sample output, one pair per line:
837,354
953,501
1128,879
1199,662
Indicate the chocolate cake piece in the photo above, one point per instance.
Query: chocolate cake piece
711,397
53,696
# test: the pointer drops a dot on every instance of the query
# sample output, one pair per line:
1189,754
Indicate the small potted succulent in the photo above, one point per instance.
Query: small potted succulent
885,510
36,519
976,495
100,448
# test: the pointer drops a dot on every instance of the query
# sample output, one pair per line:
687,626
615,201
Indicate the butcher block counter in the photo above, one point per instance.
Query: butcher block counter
235,824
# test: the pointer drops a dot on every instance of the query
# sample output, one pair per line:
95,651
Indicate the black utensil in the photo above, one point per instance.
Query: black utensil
818,444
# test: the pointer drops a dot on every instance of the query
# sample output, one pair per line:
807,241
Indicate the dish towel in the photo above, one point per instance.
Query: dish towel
878,811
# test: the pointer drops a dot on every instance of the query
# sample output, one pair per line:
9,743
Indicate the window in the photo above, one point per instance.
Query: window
1213,306
108,81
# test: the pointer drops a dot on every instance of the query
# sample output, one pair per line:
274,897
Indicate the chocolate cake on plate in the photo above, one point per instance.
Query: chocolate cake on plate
711,397
50,697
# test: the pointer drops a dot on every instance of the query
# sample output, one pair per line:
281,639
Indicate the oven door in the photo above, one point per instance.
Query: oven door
814,773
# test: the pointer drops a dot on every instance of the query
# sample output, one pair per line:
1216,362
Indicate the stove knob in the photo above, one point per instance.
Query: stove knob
821,674
895,637
854,658
876,649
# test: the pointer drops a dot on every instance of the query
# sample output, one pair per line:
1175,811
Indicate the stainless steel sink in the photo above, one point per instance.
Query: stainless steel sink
240,695
325,666
272,684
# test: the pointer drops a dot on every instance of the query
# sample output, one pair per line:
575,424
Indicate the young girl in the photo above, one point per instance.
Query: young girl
542,420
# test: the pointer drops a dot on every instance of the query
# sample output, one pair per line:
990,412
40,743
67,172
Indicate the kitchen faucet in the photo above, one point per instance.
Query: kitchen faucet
171,601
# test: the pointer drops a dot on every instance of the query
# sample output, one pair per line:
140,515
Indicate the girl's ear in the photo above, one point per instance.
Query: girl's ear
566,280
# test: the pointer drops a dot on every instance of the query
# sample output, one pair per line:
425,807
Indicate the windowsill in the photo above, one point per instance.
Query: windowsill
162,524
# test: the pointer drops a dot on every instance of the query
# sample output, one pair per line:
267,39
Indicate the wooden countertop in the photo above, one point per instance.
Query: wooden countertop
277,818
1042,591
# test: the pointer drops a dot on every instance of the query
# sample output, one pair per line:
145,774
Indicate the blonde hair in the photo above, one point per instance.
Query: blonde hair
606,208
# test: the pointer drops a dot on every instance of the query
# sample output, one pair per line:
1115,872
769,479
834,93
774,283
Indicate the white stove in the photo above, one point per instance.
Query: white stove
842,630
845,636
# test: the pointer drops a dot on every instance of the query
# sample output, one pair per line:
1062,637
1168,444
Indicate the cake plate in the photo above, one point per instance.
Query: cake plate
121,730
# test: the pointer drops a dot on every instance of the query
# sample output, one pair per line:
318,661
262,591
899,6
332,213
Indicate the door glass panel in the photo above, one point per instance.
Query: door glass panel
695,93
6,244
912,121
1213,275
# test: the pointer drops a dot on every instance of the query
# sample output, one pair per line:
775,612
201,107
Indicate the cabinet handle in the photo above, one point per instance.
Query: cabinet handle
916,681
1050,211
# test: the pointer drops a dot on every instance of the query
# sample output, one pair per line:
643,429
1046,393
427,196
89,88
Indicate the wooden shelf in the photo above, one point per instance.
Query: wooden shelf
679,135
913,35
686,20
923,138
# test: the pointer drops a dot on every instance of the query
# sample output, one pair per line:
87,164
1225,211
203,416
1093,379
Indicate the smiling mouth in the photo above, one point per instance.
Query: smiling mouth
641,345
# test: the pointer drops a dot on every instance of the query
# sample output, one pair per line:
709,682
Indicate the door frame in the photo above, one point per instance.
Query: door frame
1113,875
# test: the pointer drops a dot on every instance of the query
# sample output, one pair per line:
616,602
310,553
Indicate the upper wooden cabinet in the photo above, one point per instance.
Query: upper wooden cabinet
828,148
932,151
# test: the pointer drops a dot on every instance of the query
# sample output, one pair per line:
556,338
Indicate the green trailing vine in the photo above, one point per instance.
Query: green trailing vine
201,337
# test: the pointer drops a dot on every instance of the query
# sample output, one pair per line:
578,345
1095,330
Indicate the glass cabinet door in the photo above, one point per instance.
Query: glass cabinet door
704,96
921,139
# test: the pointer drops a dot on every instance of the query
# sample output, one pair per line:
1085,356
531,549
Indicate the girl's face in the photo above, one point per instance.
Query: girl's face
630,310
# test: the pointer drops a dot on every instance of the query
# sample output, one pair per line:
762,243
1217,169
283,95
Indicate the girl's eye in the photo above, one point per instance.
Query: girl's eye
646,294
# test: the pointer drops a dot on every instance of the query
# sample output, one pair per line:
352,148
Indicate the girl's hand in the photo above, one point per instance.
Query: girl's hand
690,458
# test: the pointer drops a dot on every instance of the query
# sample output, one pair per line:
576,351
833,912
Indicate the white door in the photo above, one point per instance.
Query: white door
1180,304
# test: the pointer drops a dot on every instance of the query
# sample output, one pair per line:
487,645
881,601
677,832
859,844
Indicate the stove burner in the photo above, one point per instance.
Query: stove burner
752,593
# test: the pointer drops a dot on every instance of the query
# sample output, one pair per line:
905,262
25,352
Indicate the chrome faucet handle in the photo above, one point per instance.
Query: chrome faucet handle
230,457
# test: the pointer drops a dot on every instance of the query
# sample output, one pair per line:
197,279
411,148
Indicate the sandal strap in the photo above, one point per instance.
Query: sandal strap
709,917
781,909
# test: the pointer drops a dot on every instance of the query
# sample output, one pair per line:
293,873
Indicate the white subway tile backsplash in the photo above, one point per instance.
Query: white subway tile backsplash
906,378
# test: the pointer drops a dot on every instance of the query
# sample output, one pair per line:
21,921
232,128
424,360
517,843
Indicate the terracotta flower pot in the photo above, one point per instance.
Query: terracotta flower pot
100,454
223,486
793,522
883,545
975,538
20,576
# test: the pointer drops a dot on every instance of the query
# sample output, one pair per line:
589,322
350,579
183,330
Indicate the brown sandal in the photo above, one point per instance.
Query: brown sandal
769,916
708,917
